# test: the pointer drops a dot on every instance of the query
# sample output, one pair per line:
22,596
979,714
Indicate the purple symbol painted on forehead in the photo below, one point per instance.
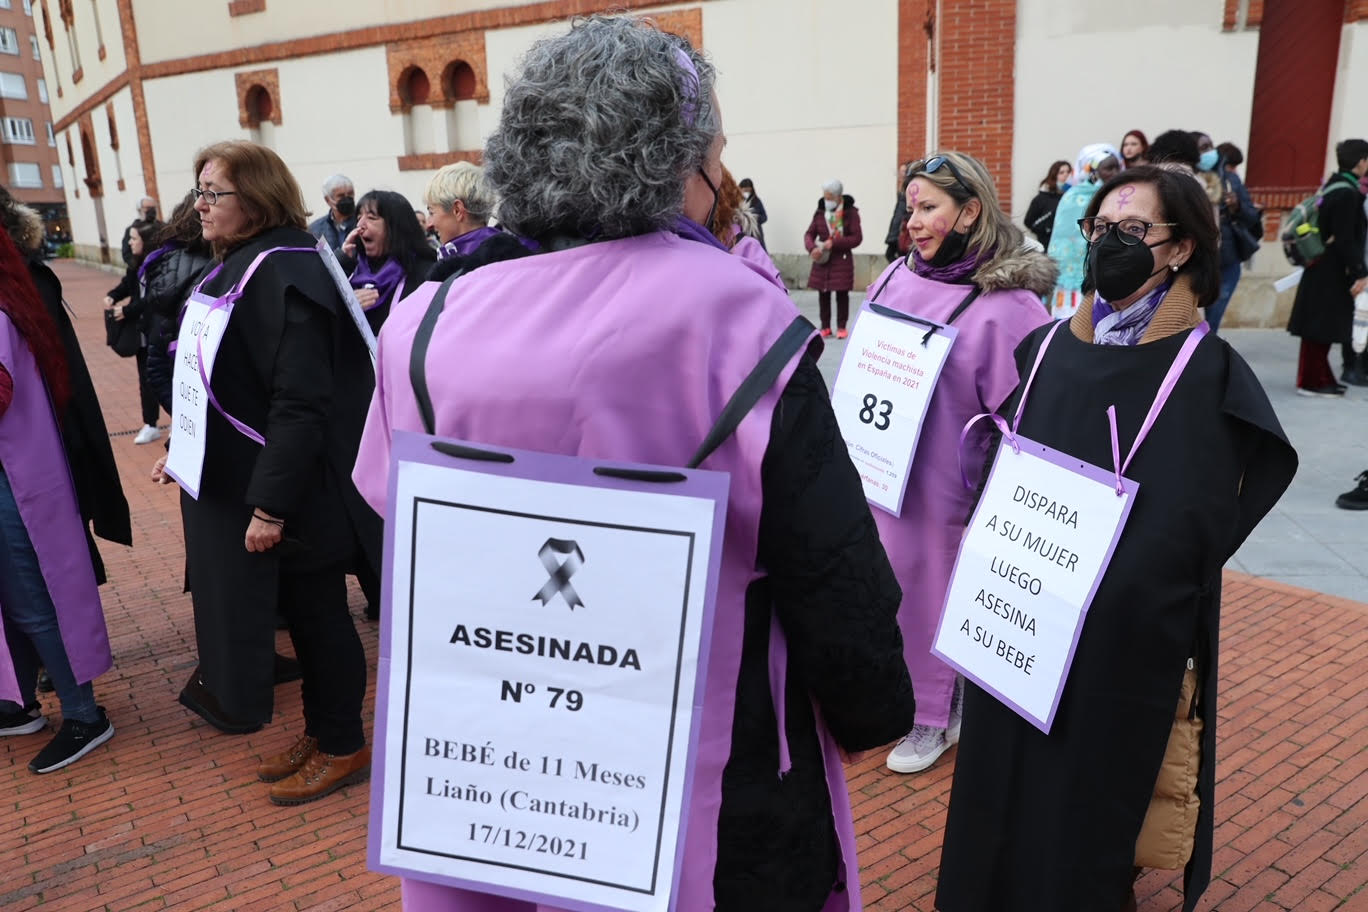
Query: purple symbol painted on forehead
689,84
1123,196
913,192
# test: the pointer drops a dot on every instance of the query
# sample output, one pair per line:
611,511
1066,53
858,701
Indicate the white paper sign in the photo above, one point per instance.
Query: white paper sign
880,397
543,650
1028,567
201,331
348,295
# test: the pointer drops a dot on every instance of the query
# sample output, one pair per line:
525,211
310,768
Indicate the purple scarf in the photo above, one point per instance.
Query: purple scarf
690,230
1125,327
152,257
465,244
386,280
952,273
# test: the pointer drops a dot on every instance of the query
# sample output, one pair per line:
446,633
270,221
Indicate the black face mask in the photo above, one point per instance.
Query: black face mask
952,248
1118,269
150,215
345,206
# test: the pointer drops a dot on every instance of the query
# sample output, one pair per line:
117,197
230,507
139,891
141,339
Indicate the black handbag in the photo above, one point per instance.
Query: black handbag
122,335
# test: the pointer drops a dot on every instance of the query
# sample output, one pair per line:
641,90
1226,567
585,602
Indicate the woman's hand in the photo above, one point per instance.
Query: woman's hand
367,297
815,252
264,532
159,475
108,302
1357,288
350,244
119,311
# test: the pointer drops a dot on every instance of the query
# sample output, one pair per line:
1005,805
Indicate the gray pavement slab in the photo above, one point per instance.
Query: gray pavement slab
1306,541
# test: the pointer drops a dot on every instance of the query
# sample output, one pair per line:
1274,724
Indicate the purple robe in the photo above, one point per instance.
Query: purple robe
611,353
35,462
979,374
465,244
749,249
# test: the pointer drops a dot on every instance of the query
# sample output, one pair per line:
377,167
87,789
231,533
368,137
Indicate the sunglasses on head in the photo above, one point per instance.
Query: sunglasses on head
934,164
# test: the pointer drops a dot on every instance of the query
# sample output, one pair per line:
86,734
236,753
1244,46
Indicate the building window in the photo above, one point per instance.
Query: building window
99,30
9,41
57,175
33,42
52,135
5,4
26,174
28,7
19,130
42,90
12,86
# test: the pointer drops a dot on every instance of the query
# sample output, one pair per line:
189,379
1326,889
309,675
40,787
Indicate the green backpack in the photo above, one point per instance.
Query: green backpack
1301,236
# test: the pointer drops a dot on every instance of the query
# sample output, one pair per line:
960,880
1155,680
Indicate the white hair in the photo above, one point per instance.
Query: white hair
334,182
834,186
465,182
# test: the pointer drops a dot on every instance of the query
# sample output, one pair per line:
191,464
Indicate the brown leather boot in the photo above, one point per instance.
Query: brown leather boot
322,774
273,769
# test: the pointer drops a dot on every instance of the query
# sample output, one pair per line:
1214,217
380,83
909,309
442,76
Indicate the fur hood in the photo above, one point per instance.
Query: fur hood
25,226
1018,268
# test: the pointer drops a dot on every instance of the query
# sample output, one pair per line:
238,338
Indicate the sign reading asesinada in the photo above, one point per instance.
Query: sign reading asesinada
539,688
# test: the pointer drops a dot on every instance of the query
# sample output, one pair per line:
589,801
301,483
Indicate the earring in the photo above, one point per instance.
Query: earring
1175,266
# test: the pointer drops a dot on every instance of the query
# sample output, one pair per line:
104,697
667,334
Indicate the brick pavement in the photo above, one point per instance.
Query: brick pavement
169,814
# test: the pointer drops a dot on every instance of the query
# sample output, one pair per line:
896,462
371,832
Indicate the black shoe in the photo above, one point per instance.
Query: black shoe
1332,391
197,698
25,722
45,684
73,741
1356,499
287,669
1354,377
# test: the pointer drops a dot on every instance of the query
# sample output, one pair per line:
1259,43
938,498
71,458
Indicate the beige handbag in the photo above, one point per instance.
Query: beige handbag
1170,826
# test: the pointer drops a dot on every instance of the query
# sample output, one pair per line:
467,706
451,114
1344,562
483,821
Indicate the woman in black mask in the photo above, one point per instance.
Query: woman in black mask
1124,779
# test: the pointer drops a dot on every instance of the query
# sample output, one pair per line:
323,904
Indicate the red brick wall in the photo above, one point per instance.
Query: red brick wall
913,23
977,62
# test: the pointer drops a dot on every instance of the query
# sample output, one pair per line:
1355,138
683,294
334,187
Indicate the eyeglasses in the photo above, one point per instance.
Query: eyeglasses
211,196
1131,231
932,165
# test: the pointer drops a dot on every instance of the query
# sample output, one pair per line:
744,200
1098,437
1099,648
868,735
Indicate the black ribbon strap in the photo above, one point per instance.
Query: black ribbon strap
418,356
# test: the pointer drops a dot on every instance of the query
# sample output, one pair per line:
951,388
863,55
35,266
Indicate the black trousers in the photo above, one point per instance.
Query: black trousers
147,396
330,656
1352,359
842,308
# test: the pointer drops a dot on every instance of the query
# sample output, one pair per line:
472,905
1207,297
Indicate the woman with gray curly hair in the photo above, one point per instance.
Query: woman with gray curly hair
608,153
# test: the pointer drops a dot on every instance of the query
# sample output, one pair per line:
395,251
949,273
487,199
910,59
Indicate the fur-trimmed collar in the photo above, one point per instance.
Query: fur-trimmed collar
1177,313
1019,268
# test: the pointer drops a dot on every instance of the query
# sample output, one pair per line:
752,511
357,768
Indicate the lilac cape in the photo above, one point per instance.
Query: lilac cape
979,374
749,249
465,244
612,353
32,456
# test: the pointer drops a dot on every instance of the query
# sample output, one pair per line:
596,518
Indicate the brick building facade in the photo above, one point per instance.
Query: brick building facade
29,163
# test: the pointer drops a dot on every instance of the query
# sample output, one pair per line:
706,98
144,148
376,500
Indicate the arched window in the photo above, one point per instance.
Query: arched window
114,145
462,116
260,115
415,92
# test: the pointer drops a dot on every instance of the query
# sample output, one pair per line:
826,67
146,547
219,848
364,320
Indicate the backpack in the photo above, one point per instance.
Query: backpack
1301,236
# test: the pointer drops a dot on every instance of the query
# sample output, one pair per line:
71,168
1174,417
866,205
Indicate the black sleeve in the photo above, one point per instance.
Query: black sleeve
833,588
895,224
159,367
297,421
759,207
126,285
1342,211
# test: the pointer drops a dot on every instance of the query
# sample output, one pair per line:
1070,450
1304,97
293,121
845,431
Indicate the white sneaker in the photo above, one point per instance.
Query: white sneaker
921,748
952,732
147,435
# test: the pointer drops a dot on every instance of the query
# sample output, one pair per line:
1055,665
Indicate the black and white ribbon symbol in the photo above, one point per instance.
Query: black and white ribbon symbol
560,571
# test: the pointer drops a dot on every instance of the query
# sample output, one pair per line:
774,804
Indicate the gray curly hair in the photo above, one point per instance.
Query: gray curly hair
600,130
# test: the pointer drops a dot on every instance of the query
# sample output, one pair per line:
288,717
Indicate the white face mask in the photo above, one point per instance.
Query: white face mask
745,194
830,205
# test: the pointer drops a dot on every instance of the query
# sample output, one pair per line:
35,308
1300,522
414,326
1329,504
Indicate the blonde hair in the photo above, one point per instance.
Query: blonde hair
465,182
993,231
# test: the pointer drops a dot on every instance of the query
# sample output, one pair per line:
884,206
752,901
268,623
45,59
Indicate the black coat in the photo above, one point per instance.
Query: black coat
1040,214
1324,308
496,248
1049,822
167,284
99,492
291,365
837,600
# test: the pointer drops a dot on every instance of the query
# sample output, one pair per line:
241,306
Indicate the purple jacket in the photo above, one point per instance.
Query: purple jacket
596,374
32,456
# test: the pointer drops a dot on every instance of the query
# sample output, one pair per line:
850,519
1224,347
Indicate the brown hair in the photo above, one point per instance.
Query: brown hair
266,190
729,202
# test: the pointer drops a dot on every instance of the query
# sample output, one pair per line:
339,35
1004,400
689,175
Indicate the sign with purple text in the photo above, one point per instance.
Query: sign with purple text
1030,562
882,391
543,654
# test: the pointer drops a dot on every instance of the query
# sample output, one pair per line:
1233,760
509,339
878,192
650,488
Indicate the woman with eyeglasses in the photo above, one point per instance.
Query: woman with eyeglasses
968,268
1123,780
1097,163
271,528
